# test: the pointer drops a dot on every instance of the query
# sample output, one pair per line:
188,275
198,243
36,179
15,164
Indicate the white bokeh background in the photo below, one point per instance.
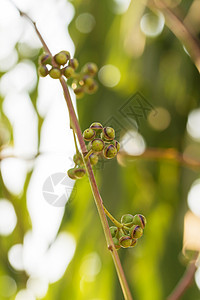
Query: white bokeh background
56,147
43,247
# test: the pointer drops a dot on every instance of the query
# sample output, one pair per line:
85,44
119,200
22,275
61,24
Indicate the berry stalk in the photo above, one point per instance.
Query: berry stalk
95,191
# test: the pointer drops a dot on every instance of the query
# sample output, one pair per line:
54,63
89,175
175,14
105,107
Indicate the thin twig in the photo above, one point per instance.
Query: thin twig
96,194
161,154
180,30
185,281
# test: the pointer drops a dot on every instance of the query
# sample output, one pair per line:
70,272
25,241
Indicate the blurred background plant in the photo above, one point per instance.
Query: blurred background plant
149,92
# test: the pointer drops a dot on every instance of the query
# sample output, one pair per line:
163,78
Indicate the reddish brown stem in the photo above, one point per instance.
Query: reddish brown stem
96,194
161,154
185,281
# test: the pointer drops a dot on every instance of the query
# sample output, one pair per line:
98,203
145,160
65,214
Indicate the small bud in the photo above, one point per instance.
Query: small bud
93,159
116,243
68,72
88,80
79,172
61,58
134,243
89,134
110,152
139,220
96,126
116,144
136,232
91,89
113,230
71,173
79,92
55,73
67,54
78,159
125,241
43,71
45,59
108,133
90,68
127,220
97,145
73,62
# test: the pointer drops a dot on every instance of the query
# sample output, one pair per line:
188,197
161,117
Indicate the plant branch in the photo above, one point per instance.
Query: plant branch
180,30
96,194
185,281
160,154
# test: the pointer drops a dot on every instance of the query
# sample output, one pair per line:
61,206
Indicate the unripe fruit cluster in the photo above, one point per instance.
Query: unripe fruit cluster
101,140
131,231
78,171
82,82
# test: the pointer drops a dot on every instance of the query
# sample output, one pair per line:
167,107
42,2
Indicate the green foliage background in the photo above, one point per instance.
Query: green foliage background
166,76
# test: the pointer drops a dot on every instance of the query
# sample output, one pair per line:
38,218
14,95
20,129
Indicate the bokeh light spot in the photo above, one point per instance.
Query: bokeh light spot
194,198
8,218
133,143
15,257
152,24
38,286
159,118
90,266
193,124
8,286
25,295
85,22
109,75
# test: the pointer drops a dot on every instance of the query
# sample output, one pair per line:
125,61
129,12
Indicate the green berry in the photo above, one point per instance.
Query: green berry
88,80
55,73
125,241
79,92
93,159
45,59
116,144
71,173
68,72
127,220
91,89
67,54
116,243
96,126
136,232
134,242
79,172
90,68
113,231
73,62
43,71
78,159
97,145
108,133
89,134
110,151
61,58
139,220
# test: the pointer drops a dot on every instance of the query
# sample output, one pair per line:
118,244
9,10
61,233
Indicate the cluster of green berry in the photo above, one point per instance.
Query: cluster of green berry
101,139
79,170
130,232
82,82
